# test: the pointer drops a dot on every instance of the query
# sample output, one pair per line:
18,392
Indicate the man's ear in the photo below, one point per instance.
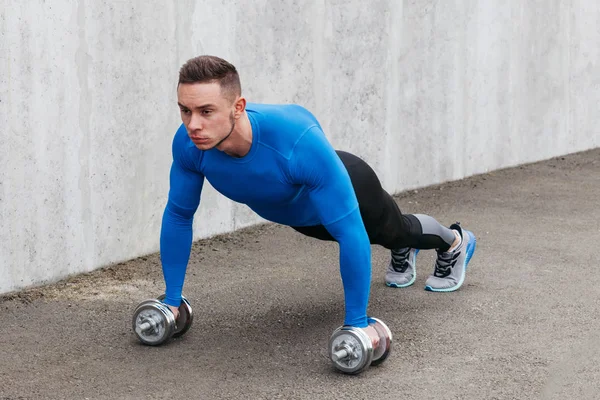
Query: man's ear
240,107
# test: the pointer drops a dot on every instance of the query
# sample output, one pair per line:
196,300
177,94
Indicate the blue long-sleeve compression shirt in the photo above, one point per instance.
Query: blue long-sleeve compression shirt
291,175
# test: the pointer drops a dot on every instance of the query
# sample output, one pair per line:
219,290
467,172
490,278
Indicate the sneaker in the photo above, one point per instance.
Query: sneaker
450,267
402,270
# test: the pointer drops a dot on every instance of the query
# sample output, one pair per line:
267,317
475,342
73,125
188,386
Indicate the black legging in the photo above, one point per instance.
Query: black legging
383,220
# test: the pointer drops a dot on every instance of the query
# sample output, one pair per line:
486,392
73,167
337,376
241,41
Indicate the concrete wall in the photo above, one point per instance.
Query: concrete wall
426,91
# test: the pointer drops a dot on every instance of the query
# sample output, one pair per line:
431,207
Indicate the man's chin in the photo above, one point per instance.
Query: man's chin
204,146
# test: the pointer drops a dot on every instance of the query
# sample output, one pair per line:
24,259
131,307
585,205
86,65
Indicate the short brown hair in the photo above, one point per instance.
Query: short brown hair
204,69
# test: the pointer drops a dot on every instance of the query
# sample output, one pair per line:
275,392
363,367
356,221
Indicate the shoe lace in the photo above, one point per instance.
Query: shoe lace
400,260
444,263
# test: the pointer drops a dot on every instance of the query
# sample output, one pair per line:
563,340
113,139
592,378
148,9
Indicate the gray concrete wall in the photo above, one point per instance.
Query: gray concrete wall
426,91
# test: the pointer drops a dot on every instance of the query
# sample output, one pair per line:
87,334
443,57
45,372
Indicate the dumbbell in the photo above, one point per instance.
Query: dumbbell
351,349
154,322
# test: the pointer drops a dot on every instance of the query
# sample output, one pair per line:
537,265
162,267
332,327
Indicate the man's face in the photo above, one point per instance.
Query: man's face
207,115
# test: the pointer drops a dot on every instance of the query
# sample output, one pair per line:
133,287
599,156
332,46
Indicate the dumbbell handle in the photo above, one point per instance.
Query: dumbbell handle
341,354
338,355
145,326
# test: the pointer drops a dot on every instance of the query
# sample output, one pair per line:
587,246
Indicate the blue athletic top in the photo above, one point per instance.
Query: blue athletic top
291,176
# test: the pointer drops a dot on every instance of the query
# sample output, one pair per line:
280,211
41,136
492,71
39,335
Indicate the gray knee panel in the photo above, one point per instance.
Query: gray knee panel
431,227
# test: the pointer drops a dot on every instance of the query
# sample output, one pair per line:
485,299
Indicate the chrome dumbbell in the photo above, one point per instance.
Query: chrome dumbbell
351,349
154,323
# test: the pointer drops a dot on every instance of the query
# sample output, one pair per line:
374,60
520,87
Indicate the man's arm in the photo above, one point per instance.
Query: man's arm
176,231
316,164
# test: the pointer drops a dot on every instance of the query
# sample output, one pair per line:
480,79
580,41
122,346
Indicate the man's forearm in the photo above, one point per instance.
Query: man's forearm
175,247
355,266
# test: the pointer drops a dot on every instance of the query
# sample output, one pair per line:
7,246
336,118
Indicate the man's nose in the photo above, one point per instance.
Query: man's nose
195,123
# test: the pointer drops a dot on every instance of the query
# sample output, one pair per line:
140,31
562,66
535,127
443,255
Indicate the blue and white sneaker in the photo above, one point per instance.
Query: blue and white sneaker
451,266
402,271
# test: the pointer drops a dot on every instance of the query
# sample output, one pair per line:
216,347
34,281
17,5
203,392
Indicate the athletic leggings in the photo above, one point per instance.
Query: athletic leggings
383,220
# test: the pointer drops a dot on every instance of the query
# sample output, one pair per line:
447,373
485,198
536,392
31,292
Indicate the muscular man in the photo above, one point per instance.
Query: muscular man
277,160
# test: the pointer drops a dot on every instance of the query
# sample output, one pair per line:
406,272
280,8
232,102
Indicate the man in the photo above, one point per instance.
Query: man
277,160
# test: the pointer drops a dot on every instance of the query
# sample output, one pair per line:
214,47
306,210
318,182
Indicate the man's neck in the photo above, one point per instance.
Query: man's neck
238,144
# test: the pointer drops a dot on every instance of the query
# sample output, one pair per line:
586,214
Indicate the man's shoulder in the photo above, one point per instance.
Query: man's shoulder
282,115
269,108
183,148
281,126
181,141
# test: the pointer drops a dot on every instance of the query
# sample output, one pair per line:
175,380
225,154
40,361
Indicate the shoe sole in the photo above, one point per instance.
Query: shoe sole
470,250
407,284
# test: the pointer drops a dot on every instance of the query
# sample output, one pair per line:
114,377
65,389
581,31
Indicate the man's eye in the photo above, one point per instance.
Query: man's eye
184,111
207,112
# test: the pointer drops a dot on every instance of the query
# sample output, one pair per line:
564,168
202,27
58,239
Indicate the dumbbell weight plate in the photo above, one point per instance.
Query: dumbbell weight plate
153,322
356,348
385,341
185,319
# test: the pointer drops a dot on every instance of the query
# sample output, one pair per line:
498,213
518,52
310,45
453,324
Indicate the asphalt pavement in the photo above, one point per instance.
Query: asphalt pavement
266,299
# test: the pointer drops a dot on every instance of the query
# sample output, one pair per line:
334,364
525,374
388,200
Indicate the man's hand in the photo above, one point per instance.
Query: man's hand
373,334
175,311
